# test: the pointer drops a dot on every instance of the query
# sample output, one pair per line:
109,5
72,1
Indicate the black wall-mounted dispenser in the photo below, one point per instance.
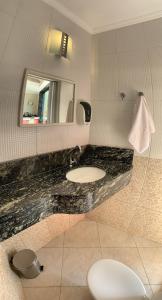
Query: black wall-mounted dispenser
84,112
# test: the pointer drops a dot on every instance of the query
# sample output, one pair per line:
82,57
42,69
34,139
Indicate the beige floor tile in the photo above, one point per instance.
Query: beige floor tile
156,288
57,224
82,293
128,256
83,234
111,237
141,242
75,293
57,242
51,259
50,293
76,263
152,259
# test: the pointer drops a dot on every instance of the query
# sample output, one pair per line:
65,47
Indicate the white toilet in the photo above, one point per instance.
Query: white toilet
111,280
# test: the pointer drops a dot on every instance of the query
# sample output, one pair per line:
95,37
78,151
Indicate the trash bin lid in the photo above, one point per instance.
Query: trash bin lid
24,259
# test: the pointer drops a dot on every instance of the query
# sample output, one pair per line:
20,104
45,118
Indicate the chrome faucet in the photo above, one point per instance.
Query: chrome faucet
72,161
73,158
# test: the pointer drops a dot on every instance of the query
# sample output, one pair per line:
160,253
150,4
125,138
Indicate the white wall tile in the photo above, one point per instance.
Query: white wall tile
15,142
6,22
111,122
130,38
9,7
61,137
155,55
11,76
106,83
106,42
134,75
152,33
24,27
156,145
26,42
126,60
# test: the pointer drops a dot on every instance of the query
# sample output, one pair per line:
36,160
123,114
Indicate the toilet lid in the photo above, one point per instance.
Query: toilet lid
111,280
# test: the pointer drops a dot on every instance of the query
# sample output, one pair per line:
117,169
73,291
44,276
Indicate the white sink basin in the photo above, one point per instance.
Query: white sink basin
85,174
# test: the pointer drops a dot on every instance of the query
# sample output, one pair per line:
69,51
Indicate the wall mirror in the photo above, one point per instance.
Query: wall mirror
46,100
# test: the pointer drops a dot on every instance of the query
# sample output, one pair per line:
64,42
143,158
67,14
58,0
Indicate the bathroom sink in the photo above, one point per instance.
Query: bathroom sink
85,174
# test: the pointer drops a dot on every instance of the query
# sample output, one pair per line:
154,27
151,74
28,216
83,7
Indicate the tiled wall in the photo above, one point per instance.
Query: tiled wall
130,60
33,238
24,27
137,209
126,60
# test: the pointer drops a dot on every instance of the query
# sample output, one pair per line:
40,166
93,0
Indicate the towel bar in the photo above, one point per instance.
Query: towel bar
140,94
122,95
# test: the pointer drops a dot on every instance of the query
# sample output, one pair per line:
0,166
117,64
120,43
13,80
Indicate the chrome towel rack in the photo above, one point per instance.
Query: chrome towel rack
140,94
123,95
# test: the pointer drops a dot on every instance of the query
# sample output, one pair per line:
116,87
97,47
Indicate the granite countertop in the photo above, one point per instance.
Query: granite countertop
26,202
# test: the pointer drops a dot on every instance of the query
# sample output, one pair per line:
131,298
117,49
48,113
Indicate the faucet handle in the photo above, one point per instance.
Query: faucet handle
79,147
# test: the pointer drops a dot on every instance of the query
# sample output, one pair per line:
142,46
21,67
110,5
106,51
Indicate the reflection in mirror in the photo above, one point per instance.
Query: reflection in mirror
46,100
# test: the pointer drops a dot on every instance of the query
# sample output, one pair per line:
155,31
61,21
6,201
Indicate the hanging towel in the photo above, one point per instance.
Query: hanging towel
142,127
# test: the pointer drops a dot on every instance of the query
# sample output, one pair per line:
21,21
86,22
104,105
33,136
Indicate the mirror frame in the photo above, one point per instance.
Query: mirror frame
49,77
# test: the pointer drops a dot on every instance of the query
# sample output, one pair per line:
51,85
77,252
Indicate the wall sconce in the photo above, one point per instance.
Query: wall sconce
59,43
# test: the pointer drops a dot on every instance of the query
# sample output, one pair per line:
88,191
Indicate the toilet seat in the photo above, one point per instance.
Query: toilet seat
111,280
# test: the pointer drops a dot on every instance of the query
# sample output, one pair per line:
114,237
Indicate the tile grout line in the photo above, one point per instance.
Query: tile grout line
136,247
97,224
144,267
142,263
94,247
99,247
62,264
11,29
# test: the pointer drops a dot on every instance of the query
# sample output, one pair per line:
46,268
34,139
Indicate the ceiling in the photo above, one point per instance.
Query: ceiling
101,15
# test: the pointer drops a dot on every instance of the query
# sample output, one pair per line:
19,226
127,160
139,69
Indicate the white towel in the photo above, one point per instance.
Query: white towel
142,128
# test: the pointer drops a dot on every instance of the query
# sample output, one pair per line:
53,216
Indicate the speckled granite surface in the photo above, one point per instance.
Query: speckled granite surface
25,202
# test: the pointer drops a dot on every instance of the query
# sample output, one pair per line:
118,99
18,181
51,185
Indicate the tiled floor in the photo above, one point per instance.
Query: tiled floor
68,257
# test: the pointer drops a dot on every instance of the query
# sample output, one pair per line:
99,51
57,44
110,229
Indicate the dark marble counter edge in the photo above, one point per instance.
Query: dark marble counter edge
55,182
27,202
35,211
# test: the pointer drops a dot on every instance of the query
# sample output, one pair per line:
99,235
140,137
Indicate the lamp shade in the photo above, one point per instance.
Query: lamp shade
54,42
59,43
69,47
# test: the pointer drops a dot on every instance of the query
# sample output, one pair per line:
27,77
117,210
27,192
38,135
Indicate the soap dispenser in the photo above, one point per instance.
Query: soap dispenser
83,113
